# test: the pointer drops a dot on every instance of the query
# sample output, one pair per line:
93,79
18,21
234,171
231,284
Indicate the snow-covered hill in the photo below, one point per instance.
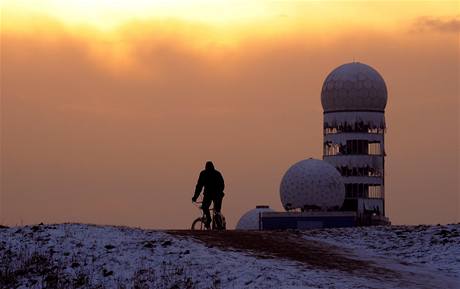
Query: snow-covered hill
436,247
89,256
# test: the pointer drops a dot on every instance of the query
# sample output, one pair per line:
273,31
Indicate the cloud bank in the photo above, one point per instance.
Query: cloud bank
448,24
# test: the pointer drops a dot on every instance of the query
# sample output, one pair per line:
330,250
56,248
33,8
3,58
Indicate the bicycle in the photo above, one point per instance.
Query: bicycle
217,220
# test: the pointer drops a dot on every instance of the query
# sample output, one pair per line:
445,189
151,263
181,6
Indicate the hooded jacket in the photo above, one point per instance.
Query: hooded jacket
212,181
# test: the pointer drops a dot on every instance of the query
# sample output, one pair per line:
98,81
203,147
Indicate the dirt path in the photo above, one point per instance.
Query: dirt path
288,246
312,254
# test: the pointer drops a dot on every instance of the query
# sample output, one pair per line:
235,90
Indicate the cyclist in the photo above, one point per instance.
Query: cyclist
213,183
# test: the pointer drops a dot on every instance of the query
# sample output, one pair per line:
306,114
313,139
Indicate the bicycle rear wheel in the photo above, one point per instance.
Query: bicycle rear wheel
219,222
198,224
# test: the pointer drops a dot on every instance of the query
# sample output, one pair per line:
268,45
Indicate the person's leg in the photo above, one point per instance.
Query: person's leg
218,203
217,208
205,207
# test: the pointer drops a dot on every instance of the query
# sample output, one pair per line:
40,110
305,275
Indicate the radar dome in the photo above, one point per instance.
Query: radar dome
250,220
354,87
312,184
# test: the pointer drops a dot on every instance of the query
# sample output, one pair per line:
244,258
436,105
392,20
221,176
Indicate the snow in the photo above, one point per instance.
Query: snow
121,257
436,247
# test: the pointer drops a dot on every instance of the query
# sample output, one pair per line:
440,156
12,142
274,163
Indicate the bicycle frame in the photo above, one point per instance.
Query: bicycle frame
202,219
199,205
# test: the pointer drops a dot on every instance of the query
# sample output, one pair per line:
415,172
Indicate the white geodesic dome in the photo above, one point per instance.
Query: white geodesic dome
354,87
250,220
312,183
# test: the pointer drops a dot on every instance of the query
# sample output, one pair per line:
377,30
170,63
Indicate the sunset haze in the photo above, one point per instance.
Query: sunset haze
110,109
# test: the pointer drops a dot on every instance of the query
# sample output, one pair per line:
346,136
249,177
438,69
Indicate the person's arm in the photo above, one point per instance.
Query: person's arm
199,187
222,183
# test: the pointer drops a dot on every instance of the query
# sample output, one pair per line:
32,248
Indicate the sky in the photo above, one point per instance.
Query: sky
109,109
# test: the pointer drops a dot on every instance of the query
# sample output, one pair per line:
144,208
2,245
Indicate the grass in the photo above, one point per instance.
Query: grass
40,270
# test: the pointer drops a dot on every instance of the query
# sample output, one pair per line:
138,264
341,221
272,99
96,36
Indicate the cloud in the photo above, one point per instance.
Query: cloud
449,24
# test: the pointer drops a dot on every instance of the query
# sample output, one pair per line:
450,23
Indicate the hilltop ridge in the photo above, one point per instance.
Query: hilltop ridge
91,256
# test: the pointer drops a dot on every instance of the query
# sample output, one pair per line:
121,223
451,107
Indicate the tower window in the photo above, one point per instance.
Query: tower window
374,148
357,147
375,191
352,147
358,190
353,127
365,171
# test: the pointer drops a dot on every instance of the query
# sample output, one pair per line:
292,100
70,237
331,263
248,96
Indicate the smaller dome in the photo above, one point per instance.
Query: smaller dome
312,184
250,220
354,87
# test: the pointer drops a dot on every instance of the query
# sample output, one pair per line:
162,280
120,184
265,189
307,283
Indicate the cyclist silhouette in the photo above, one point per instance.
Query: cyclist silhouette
213,183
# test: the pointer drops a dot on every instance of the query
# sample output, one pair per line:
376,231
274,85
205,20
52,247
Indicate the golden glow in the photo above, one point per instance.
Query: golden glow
111,27
108,14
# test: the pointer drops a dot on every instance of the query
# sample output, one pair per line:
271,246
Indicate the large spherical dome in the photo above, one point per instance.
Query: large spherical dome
250,220
354,87
312,183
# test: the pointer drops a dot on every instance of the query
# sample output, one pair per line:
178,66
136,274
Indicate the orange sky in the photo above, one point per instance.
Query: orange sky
108,112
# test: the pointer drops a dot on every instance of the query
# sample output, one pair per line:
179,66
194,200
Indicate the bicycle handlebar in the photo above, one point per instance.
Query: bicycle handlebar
200,207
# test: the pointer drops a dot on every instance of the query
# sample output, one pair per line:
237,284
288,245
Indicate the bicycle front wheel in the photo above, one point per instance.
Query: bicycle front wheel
198,224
